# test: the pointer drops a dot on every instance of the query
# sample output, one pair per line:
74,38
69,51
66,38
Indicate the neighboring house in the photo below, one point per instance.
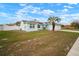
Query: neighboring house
36,26
9,27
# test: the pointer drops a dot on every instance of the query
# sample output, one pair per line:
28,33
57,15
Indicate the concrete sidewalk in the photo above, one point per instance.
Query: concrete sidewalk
74,51
70,31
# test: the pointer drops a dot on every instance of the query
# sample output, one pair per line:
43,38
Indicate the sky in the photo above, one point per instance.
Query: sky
13,12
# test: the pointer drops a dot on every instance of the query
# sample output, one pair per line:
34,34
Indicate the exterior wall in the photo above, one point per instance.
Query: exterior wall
49,27
57,27
22,26
41,27
27,28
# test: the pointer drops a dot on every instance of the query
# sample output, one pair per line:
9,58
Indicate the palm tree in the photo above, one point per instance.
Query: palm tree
52,20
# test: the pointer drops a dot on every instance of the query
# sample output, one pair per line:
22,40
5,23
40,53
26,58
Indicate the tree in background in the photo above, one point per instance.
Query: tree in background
17,23
75,24
52,20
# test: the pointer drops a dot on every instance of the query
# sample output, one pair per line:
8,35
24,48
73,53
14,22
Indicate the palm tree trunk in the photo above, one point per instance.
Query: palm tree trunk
53,26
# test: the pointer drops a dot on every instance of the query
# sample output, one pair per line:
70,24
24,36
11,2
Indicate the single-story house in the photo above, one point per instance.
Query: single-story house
31,26
9,27
36,26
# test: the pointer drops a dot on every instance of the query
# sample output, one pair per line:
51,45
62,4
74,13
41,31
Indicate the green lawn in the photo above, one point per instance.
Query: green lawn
36,43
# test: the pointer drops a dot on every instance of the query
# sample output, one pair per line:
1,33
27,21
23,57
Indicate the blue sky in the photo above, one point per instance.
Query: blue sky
12,12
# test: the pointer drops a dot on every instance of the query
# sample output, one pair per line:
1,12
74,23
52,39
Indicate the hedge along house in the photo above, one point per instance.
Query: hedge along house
36,26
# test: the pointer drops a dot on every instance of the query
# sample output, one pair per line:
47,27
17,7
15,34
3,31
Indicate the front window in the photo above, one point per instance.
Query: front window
38,25
32,26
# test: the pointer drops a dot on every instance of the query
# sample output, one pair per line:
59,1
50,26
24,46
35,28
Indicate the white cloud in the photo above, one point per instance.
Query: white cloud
62,11
76,14
3,14
22,4
7,17
24,12
35,10
45,12
28,9
68,7
73,3
62,17
65,10
58,4
2,6
69,17
48,12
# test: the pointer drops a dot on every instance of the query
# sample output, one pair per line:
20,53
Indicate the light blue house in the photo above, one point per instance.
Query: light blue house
36,26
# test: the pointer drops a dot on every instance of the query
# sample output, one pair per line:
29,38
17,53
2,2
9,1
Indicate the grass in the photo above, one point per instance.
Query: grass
36,43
